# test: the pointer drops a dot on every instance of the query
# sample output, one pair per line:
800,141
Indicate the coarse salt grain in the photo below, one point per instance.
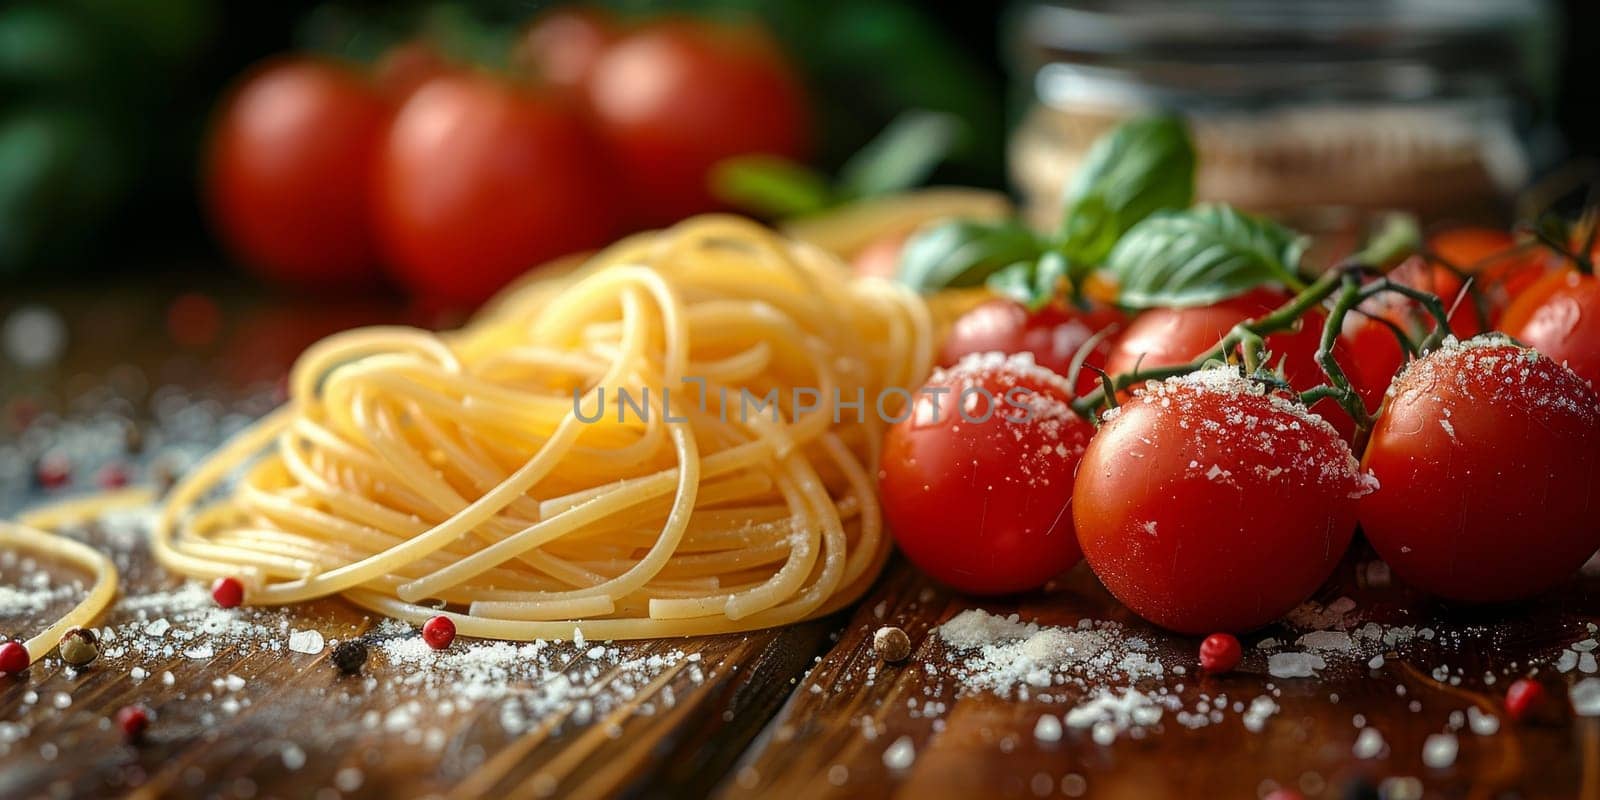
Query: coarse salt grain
1439,750
901,754
1047,729
1294,665
1006,655
308,642
1481,722
1585,696
1369,744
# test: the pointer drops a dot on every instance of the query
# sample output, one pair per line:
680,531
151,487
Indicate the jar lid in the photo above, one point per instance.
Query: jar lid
1196,53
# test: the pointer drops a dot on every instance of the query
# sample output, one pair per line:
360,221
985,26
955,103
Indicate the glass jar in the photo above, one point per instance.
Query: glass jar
1317,111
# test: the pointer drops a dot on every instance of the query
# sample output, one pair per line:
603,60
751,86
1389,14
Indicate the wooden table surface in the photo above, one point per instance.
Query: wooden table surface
805,711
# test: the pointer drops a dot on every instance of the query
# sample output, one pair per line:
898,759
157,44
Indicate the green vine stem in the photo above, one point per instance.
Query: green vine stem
1281,319
1554,243
1249,340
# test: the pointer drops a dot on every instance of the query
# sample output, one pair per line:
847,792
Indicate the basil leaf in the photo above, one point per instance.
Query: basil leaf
1143,166
965,253
770,186
902,156
1032,283
1202,255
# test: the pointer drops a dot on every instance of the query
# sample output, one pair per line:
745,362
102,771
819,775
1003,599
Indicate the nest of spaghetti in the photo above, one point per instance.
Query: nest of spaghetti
678,436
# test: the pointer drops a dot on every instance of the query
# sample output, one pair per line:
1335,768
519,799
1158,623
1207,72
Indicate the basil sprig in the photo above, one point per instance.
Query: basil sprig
964,252
1143,166
901,157
1201,255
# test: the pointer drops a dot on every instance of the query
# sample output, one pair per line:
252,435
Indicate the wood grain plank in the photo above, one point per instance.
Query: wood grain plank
830,739
296,728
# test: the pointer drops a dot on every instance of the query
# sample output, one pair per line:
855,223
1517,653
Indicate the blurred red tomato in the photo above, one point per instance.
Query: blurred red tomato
881,257
407,65
289,172
1500,270
1468,247
480,180
1560,317
677,97
562,46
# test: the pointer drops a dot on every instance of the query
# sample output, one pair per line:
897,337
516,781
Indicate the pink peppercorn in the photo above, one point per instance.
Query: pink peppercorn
439,632
1524,699
228,592
13,658
132,720
1220,652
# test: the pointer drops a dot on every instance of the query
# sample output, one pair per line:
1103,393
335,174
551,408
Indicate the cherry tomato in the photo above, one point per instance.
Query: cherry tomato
479,181
1205,504
1164,337
677,97
289,168
1560,317
1053,335
563,46
976,481
1487,457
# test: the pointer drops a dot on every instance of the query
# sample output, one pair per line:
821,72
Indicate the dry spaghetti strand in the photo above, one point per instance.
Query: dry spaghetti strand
644,446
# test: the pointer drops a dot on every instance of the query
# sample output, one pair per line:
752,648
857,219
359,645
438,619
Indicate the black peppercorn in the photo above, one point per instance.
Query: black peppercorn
349,656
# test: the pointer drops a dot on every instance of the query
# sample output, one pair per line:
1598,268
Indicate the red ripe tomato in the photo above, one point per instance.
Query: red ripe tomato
1207,505
675,98
562,46
1487,457
481,180
1164,337
1560,317
976,482
289,168
1053,335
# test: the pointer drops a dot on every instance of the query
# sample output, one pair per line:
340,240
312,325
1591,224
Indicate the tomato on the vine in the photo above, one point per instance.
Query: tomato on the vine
480,180
1206,503
977,480
1374,354
1487,457
289,171
1560,317
1165,337
1053,335
674,98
